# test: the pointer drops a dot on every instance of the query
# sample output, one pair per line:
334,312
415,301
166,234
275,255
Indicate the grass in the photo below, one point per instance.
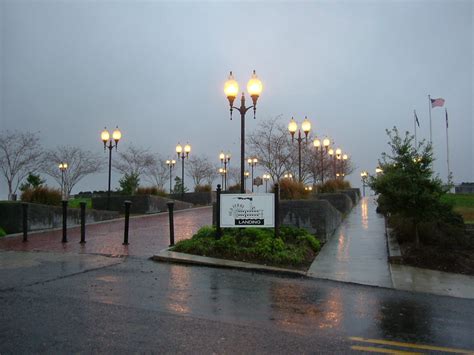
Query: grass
74,203
295,248
463,204
2,232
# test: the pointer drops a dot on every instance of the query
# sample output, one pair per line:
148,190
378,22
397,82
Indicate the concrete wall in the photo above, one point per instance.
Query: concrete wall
196,198
353,193
318,217
45,217
342,202
140,203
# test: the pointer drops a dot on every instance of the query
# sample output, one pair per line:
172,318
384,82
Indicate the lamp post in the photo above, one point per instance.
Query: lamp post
112,143
252,162
231,89
246,175
63,167
319,146
225,159
338,158
332,160
364,175
183,154
222,172
378,170
293,127
343,167
288,176
265,178
171,163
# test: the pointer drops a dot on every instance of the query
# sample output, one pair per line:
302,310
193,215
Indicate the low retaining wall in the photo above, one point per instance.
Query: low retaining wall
353,193
45,217
140,204
318,217
341,201
196,198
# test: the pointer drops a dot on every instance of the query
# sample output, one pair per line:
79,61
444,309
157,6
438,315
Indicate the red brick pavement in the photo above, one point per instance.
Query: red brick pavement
147,235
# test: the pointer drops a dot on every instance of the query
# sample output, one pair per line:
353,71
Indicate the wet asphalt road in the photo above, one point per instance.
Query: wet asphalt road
65,303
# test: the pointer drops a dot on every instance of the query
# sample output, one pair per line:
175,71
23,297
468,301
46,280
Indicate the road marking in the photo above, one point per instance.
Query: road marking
373,349
411,345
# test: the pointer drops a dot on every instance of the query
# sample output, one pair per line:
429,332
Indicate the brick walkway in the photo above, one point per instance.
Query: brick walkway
147,235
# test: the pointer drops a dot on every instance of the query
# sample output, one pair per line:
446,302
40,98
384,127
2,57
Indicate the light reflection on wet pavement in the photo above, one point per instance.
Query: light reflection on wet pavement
147,235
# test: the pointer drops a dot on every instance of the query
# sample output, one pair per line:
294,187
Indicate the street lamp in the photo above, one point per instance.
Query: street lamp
288,176
63,167
319,146
364,175
378,170
293,127
246,175
231,89
252,162
225,159
183,154
333,160
338,157
223,173
112,143
266,177
343,166
171,163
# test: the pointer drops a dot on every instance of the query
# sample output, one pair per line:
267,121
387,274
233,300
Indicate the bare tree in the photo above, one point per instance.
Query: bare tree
158,173
200,169
233,175
270,144
134,160
80,163
20,154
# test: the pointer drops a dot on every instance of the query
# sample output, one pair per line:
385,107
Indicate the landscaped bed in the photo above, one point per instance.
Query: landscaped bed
295,248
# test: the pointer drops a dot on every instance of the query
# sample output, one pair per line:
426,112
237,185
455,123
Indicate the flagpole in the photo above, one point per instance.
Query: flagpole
431,134
414,124
447,145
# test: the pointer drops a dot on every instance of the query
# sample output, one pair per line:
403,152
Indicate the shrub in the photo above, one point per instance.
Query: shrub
129,183
2,232
333,186
295,247
234,188
42,194
151,190
203,188
292,190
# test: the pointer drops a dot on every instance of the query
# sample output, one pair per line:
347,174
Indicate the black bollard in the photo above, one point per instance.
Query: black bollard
277,210
64,203
24,207
83,222
127,217
218,212
171,219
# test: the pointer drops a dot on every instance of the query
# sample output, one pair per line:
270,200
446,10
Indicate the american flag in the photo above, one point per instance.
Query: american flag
437,102
446,111
416,119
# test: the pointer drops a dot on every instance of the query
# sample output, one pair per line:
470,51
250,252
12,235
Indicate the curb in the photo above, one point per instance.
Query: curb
166,255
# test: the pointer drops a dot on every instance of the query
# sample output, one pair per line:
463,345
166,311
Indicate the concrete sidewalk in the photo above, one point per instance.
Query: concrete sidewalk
357,252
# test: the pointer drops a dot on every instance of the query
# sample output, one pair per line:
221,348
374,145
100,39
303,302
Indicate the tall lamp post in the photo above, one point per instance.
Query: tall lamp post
265,178
222,173
231,89
319,146
112,143
332,161
246,175
252,162
343,167
364,175
225,160
63,167
293,127
171,163
338,158
183,154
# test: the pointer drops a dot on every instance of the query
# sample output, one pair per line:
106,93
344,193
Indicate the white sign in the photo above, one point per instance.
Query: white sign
247,210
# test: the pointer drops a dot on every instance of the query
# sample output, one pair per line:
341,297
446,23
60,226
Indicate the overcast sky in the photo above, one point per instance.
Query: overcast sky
156,69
